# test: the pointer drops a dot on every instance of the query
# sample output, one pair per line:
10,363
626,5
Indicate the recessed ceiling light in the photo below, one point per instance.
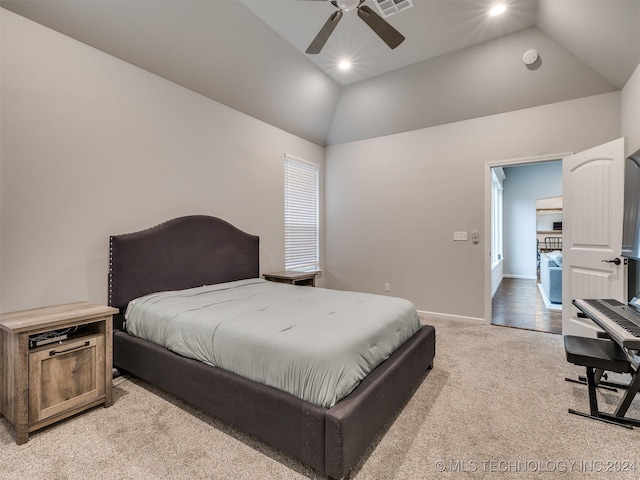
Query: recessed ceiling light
497,9
344,65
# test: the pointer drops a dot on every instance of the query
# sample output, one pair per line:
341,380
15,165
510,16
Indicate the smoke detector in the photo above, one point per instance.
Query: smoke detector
530,56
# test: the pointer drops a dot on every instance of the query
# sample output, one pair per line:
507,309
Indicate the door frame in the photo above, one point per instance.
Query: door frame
487,215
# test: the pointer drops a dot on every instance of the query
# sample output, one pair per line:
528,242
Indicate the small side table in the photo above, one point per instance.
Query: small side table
306,279
56,362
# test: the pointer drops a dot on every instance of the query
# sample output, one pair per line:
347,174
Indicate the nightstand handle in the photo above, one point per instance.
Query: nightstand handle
53,352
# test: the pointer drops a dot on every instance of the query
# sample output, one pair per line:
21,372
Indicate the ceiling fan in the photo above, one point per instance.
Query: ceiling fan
386,32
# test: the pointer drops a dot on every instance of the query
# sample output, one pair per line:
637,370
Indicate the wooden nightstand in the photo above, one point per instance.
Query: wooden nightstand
42,384
307,279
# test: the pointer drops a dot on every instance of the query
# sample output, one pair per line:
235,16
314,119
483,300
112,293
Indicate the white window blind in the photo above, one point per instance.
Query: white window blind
300,215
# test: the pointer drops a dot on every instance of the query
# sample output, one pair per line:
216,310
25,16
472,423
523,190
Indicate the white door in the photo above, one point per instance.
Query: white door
593,186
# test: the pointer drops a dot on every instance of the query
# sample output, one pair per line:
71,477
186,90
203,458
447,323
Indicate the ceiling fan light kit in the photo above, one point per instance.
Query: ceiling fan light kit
347,5
381,27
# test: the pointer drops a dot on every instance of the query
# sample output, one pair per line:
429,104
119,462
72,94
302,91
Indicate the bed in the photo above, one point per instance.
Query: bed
199,250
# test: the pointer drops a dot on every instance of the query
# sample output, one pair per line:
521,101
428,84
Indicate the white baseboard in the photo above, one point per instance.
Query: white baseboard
447,316
526,277
497,286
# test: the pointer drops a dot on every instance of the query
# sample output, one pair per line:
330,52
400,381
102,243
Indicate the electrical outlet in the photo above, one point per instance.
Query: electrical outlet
459,236
387,287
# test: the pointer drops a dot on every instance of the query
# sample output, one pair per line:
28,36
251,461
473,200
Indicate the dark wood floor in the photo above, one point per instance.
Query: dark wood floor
518,303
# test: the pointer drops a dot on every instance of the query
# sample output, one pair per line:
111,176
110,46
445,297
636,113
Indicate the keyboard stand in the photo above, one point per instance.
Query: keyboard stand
603,384
628,397
596,414
598,355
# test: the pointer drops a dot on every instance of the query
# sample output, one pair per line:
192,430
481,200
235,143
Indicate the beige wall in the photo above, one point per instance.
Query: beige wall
93,146
393,202
631,112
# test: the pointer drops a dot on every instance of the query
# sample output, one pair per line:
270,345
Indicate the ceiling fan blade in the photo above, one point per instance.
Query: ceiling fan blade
386,32
324,33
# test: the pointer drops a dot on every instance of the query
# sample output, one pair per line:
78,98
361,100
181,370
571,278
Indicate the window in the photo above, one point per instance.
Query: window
300,215
497,176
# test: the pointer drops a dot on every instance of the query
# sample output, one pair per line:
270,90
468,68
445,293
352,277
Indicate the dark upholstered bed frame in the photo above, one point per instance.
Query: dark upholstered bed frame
197,250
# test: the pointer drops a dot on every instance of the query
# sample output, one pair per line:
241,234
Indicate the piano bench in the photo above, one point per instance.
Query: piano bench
598,355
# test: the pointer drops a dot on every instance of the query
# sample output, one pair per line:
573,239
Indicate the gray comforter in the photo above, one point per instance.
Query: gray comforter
314,343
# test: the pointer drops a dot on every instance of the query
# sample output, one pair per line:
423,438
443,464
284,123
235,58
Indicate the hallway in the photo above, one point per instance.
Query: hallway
518,303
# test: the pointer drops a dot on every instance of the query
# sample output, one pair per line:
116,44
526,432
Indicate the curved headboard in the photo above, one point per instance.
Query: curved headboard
181,253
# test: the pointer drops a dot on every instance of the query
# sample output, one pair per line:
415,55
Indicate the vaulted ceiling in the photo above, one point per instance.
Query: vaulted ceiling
456,63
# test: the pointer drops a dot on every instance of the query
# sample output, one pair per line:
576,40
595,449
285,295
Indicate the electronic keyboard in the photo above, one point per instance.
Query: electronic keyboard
620,321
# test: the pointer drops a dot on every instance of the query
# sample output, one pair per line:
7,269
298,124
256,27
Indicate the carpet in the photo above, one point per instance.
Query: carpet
495,404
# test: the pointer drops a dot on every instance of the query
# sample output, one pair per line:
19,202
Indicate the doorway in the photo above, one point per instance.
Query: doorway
514,295
518,303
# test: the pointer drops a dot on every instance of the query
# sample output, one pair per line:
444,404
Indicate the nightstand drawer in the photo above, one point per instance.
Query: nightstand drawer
66,375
